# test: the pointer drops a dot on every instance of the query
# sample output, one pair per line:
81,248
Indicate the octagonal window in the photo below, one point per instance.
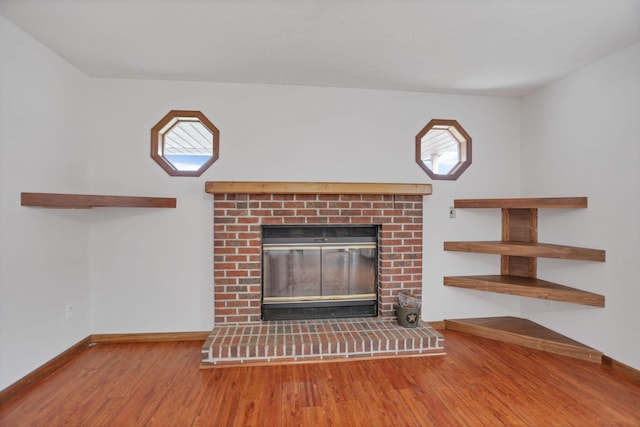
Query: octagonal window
184,143
443,149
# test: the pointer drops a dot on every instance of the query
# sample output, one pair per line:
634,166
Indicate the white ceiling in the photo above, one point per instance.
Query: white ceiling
489,47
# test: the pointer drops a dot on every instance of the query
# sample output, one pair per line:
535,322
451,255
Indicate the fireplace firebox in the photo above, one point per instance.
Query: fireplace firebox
315,272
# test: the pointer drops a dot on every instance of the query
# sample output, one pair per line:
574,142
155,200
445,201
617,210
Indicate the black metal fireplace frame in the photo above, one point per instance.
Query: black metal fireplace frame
325,236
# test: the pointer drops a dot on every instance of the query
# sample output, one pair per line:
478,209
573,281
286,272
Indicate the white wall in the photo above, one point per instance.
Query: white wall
147,270
580,137
44,139
152,271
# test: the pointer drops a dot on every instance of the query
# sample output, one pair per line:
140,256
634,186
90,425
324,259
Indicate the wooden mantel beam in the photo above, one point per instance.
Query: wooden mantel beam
269,187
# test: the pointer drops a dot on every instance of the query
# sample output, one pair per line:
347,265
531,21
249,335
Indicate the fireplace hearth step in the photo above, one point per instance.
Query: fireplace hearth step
296,341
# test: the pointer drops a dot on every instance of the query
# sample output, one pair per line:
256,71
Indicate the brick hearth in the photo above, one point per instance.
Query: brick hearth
313,340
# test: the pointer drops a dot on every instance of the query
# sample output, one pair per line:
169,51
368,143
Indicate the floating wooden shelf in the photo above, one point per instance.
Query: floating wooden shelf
249,187
523,203
525,287
526,333
527,249
88,201
519,250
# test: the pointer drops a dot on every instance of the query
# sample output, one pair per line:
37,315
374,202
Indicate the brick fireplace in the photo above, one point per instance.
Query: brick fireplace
241,209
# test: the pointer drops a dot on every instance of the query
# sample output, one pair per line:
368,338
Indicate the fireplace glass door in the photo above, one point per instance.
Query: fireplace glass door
323,278
349,271
292,272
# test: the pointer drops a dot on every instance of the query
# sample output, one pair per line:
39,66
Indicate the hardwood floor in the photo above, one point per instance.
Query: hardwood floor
479,382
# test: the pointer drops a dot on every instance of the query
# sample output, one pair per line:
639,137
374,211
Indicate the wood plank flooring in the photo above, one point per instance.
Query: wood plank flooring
479,382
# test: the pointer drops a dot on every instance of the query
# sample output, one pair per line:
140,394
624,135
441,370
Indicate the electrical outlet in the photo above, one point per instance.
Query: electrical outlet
452,212
69,312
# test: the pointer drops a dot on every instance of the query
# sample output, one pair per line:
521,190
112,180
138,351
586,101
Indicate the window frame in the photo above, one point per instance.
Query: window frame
465,149
161,128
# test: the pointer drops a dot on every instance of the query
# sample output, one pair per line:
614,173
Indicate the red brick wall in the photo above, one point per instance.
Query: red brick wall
237,242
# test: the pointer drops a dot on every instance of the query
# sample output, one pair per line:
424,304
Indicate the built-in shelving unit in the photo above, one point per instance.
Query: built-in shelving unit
519,250
88,201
